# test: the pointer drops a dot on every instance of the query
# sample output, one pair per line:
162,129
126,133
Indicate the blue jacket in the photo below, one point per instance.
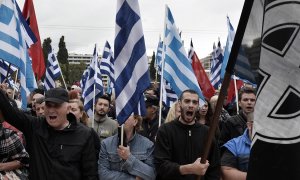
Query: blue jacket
139,163
240,148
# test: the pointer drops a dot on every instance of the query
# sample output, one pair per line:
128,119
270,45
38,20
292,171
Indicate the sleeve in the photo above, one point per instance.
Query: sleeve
165,168
136,167
104,171
17,150
228,159
15,117
214,170
97,143
88,160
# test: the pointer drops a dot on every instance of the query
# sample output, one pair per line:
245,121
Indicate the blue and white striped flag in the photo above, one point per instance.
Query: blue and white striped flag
53,71
229,42
216,65
178,70
107,65
158,59
131,62
84,78
168,95
93,86
13,45
5,70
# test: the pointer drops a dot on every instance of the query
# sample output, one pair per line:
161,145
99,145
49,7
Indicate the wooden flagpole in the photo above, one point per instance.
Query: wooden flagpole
229,70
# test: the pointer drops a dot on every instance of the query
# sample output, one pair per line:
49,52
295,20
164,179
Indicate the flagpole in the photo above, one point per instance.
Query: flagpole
236,94
162,73
94,105
229,70
14,90
62,75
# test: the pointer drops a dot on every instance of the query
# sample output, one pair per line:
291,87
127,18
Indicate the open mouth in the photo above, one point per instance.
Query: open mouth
189,113
52,117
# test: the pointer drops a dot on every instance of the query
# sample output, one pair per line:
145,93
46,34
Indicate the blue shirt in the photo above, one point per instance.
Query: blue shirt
139,163
240,148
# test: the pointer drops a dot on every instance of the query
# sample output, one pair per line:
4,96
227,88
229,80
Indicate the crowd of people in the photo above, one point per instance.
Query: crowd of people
55,139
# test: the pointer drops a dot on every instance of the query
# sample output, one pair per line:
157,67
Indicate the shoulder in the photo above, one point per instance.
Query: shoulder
233,144
111,121
110,142
145,141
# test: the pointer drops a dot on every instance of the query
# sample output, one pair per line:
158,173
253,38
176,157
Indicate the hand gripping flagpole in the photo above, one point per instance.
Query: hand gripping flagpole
229,70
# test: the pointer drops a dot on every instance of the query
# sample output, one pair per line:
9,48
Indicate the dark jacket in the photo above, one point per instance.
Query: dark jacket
64,154
179,144
149,128
233,127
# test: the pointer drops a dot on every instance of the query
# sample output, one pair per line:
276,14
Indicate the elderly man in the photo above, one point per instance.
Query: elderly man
59,147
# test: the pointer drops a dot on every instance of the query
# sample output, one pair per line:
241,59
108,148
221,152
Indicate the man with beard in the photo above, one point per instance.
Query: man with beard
104,125
180,144
236,125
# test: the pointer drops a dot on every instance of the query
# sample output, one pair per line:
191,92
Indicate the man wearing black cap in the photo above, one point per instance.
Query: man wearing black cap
150,121
59,147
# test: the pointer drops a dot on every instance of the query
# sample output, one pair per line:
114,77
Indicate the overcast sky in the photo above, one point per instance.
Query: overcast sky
86,22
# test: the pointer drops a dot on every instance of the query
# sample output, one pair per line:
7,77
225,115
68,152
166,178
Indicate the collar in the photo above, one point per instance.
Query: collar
98,119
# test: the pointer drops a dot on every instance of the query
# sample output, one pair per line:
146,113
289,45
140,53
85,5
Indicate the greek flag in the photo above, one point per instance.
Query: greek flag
131,62
168,95
84,78
53,71
178,70
158,59
107,65
216,64
5,70
93,86
13,44
230,38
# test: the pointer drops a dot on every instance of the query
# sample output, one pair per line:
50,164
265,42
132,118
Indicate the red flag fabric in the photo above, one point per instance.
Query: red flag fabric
207,89
231,91
35,50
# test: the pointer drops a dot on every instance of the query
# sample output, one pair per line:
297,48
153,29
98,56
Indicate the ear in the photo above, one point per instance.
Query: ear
68,108
135,122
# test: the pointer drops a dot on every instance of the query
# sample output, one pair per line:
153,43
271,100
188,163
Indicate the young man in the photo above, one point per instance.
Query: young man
236,125
104,125
235,159
59,147
180,144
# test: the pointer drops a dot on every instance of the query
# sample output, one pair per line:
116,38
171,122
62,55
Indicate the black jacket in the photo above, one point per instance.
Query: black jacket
64,154
233,127
178,144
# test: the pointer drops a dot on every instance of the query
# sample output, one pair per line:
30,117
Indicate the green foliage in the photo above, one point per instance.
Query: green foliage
46,49
152,68
76,70
62,57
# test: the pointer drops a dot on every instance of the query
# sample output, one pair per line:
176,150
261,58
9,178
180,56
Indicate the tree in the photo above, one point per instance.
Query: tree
46,49
62,56
152,68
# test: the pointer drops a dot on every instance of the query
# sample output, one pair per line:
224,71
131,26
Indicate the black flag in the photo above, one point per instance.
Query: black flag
275,152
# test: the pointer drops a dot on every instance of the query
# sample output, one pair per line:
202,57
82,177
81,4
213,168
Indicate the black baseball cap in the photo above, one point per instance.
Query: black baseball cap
57,95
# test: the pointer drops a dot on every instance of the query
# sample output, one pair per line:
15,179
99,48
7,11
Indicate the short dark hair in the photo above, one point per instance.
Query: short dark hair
246,90
106,97
188,91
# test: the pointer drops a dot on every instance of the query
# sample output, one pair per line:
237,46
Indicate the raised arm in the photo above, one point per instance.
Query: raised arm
14,116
